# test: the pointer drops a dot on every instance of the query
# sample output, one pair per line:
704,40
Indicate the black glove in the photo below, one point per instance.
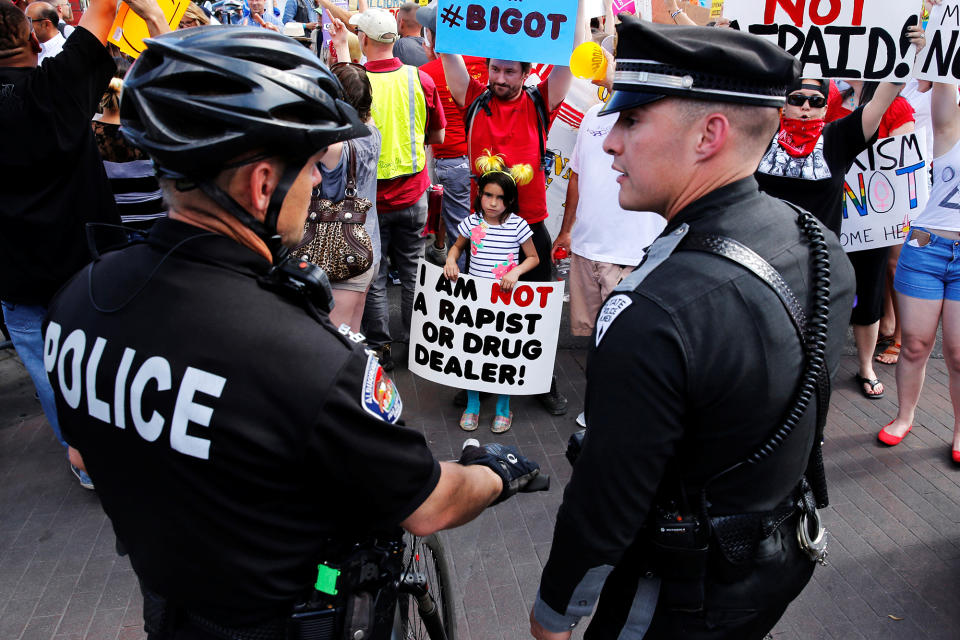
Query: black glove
516,471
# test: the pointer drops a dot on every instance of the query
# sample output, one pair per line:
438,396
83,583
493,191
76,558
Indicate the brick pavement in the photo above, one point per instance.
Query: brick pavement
895,550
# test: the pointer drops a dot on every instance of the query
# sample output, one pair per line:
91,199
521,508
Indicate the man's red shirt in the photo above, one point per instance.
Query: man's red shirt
512,131
455,140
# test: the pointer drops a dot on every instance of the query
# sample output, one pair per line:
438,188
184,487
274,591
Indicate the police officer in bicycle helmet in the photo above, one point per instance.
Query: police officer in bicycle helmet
229,428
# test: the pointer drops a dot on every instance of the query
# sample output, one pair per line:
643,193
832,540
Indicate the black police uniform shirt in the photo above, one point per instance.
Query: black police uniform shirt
228,432
691,371
815,182
52,181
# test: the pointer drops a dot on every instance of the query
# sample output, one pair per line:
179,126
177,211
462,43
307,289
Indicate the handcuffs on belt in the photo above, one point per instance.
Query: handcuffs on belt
812,536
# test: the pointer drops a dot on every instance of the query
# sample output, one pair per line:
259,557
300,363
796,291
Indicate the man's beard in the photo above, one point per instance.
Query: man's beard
504,91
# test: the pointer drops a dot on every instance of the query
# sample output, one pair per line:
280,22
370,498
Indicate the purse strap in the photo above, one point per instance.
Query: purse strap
351,190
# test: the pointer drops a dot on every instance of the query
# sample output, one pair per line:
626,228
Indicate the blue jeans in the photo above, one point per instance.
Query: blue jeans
454,175
24,324
401,237
930,272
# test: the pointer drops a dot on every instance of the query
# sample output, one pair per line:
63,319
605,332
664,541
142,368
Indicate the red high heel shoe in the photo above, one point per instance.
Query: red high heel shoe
956,455
891,440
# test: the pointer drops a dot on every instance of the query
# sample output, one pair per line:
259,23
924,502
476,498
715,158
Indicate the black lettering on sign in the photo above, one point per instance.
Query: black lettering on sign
446,310
466,289
446,338
472,343
420,304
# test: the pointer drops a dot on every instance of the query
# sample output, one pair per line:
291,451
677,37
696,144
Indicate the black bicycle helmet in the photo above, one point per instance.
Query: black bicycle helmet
197,98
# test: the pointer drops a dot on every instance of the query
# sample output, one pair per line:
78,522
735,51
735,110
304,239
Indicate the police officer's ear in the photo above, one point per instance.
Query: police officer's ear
714,134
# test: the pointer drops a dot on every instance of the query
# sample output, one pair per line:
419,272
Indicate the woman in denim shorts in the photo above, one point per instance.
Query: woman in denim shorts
928,276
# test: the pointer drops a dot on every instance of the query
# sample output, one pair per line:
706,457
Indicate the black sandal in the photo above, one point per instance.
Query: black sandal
873,383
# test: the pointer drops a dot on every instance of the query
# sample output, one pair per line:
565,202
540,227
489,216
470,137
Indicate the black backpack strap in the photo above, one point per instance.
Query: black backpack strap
543,118
480,102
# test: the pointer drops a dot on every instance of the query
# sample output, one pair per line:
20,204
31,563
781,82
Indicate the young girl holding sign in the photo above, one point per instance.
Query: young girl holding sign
496,235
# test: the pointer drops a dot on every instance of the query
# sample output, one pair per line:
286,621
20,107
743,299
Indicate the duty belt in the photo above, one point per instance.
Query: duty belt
161,617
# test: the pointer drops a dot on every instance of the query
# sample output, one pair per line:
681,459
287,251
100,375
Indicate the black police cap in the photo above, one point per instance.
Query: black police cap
699,63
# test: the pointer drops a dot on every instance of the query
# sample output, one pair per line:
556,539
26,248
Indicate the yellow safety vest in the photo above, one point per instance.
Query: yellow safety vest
400,112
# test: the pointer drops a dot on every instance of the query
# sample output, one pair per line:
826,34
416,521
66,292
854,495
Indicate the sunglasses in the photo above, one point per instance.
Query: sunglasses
797,100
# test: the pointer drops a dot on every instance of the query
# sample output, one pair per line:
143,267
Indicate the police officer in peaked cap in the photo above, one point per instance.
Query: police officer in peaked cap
692,509
232,432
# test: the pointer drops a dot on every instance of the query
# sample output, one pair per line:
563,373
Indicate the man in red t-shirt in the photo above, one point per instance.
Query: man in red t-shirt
511,130
401,200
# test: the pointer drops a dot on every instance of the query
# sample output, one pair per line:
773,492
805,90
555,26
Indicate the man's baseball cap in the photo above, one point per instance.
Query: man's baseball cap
427,16
699,63
378,24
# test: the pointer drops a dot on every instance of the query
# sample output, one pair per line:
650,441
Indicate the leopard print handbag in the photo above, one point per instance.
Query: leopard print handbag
334,237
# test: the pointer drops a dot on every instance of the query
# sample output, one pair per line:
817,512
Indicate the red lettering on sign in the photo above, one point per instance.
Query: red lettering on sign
822,19
544,292
523,295
796,8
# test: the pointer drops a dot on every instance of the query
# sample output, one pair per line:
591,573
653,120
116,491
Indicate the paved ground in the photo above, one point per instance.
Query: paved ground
895,553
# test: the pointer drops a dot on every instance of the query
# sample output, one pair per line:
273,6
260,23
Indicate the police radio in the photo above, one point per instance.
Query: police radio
300,279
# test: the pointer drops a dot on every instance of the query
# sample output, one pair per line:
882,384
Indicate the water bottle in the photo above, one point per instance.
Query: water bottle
561,261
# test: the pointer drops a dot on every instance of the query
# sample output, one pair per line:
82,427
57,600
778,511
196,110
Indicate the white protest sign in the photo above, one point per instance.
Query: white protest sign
593,8
885,188
471,335
835,38
561,140
645,9
940,60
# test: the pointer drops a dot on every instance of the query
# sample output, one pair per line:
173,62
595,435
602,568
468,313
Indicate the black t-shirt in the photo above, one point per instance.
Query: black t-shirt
244,431
815,182
52,181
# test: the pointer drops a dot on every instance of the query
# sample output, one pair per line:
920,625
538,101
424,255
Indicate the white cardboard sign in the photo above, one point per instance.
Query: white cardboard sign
940,60
855,39
886,188
471,335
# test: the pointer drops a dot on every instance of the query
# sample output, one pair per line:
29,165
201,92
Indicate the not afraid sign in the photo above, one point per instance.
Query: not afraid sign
852,39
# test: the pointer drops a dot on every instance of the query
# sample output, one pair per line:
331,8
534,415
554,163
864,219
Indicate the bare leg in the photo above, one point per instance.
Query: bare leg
866,339
76,459
889,323
346,305
951,356
919,319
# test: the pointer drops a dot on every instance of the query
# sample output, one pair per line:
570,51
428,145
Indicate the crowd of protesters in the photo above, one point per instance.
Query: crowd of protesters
822,130
73,183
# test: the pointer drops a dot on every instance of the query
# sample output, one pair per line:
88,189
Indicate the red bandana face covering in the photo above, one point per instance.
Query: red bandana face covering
799,137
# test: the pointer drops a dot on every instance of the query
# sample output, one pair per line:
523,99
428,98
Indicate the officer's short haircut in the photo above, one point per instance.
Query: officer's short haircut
14,29
755,124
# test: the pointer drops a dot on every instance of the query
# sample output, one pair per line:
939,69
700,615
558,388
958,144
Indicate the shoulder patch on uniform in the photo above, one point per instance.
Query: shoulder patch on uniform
656,254
611,309
379,396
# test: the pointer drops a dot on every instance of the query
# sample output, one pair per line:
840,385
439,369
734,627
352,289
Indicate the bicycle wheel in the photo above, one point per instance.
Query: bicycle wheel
424,560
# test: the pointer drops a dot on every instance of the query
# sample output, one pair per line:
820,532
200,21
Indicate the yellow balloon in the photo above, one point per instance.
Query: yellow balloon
588,61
